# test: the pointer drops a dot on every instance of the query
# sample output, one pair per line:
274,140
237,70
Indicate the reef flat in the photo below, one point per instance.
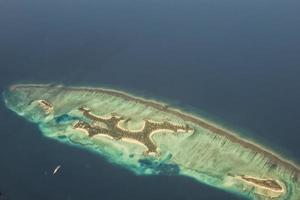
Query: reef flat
149,137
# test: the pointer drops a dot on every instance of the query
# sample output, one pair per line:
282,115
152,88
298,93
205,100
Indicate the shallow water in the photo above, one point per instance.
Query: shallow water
237,61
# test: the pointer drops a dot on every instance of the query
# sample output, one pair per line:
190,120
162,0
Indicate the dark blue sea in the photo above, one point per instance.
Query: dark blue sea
235,61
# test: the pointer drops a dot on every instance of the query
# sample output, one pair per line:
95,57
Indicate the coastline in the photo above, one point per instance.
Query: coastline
232,136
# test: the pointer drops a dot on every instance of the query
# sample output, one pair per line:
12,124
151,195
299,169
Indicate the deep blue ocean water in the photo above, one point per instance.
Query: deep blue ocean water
237,61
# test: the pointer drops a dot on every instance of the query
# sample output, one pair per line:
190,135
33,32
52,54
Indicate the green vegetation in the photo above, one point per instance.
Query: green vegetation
150,138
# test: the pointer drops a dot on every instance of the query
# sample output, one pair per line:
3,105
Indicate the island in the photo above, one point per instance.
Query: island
115,131
149,137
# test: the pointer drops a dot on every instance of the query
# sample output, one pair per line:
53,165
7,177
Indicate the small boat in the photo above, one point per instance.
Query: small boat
56,169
